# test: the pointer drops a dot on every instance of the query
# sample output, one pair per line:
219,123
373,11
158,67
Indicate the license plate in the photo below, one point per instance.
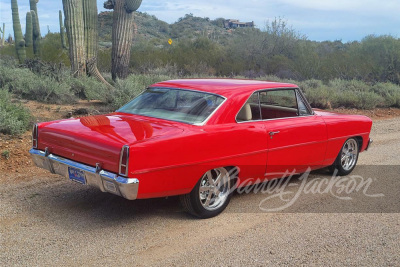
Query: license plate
76,175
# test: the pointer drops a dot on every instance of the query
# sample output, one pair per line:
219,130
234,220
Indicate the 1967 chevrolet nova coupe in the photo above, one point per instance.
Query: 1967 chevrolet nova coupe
199,138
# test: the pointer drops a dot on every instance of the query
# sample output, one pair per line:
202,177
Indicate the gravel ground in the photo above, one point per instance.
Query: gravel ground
48,221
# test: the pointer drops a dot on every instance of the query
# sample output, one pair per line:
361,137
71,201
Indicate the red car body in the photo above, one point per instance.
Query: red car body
167,158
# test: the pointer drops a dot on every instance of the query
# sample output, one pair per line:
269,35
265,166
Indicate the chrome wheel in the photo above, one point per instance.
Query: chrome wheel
349,155
214,189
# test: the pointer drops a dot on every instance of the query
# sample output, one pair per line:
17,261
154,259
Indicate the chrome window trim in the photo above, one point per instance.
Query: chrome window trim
177,88
302,96
296,89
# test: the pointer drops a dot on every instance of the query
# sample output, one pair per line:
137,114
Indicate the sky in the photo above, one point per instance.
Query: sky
319,20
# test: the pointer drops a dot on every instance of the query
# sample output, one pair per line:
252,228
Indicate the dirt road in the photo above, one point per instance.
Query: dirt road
46,220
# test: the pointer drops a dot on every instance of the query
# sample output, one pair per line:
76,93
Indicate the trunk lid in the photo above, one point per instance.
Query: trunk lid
99,139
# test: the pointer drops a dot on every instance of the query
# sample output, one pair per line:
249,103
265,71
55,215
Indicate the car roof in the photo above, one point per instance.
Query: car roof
223,87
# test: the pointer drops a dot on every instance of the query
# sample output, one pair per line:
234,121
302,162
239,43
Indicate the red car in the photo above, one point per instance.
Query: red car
199,138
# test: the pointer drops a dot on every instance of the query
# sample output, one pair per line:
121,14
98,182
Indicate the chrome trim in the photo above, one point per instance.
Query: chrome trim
124,164
303,97
175,88
103,180
35,138
370,141
274,133
285,118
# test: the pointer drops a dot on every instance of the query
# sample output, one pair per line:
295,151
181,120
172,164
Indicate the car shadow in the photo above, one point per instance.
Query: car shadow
74,206
66,201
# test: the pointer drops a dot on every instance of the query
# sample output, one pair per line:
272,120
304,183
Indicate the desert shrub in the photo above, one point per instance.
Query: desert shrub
52,50
352,99
14,119
317,93
8,51
390,92
88,88
27,85
340,85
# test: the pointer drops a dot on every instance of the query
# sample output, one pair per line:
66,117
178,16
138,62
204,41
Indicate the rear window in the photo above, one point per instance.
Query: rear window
191,107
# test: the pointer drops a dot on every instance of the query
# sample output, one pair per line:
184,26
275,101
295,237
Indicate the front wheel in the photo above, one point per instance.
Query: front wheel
347,159
210,196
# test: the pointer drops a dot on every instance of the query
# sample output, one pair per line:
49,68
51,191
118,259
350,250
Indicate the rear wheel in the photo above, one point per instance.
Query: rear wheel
210,196
347,159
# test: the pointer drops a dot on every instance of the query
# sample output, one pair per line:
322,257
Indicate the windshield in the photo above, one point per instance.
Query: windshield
174,104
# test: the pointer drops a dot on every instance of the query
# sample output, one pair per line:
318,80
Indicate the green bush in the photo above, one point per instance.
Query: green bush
390,92
88,88
14,119
27,85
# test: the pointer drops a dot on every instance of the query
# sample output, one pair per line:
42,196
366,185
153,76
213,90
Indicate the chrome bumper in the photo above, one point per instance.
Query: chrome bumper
105,181
370,141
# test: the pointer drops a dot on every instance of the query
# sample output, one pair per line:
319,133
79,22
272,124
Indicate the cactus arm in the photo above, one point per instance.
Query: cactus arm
19,40
62,31
3,33
36,33
90,28
29,30
33,6
132,5
109,4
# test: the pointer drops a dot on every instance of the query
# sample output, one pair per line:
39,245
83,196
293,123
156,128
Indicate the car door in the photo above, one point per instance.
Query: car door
296,137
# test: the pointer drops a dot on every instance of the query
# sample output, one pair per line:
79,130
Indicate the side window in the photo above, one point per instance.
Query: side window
277,104
303,110
251,110
273,104
281,98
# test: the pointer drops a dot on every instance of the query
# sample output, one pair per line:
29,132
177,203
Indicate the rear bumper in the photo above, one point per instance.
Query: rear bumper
103,180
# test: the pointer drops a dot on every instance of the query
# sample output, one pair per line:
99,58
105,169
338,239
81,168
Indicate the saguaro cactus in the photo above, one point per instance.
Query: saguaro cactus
19,40
73,11
91,39
36,27
33,6
62,31
81,26
2,31
36,33
122,34
28,30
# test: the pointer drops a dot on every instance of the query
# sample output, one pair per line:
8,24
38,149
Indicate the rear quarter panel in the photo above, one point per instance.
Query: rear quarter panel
172,166
342,127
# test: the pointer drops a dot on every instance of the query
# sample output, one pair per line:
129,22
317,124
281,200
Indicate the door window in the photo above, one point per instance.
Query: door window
273,104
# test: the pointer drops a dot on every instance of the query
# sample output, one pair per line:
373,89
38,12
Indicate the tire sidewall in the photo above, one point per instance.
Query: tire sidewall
338,165
202,212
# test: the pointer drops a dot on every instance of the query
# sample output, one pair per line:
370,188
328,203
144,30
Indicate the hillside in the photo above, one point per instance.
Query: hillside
150,27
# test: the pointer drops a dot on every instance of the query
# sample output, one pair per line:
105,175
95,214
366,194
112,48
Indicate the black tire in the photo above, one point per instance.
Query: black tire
350,151
195,204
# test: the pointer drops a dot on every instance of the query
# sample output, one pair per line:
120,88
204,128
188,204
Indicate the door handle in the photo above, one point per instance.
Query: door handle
273,133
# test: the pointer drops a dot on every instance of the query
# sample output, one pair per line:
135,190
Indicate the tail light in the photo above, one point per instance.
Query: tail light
35,134
124,161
